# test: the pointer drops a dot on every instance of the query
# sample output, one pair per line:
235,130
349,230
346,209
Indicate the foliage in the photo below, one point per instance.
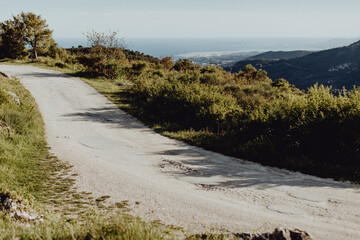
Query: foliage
214,75
167,62
106,46
251,75
137,56
25,28
104,56
190,105
184,65
37,34
12,42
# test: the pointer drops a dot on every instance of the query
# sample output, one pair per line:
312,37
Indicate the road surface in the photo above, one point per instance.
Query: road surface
114,154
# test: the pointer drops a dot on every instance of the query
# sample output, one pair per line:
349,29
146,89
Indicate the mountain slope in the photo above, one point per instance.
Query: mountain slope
280,55
337,67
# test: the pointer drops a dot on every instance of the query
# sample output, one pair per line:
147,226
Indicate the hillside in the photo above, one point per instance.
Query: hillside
280,55
336,67
224,60
129,54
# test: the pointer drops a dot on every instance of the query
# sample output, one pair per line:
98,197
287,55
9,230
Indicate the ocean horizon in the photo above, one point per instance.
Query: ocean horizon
181,47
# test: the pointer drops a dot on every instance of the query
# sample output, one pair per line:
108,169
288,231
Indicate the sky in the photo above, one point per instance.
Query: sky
195,18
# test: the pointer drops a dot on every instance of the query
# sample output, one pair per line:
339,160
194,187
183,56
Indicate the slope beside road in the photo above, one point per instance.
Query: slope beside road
164,179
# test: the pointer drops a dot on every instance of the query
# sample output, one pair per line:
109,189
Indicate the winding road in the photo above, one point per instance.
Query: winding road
164,179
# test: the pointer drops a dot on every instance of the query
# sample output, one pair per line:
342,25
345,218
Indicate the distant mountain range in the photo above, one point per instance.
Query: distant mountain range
337,67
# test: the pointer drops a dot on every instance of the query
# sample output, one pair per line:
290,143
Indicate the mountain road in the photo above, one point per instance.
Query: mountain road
163,179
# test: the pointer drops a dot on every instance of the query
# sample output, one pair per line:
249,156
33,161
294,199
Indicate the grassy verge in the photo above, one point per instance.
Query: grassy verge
41,184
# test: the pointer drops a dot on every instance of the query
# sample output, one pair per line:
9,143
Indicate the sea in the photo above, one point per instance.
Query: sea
190,47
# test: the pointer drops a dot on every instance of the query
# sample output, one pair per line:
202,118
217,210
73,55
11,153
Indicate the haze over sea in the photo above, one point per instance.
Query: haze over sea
187,47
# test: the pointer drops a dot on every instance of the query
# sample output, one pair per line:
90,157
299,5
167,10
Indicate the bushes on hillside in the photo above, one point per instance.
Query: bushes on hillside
310,132
104,56
189,105
270,122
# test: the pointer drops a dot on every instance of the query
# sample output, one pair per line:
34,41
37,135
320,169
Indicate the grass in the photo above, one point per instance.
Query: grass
96,226
26,142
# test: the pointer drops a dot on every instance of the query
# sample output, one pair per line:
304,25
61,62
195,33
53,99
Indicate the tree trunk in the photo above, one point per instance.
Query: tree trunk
34,46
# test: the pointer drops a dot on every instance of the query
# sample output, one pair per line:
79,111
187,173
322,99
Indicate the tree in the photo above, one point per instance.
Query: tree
36,34
23,29
12,41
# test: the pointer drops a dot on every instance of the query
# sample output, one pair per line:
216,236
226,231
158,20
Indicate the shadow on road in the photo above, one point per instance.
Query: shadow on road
189,161
112,116
235,173
45,75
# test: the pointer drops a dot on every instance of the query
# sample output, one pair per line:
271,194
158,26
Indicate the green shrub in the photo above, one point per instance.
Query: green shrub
191,105
209,78
185,65
157,73
138,68
189,77
59,64
99,67
167,62
250,75
319,127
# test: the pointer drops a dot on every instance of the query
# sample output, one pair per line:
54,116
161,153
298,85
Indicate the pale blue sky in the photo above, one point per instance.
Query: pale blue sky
196,18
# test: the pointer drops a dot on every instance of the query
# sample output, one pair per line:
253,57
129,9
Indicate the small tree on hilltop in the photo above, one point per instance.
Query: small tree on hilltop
105,55
106,45
37,34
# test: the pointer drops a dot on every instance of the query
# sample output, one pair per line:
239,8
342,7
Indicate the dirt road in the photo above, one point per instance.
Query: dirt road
178,184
